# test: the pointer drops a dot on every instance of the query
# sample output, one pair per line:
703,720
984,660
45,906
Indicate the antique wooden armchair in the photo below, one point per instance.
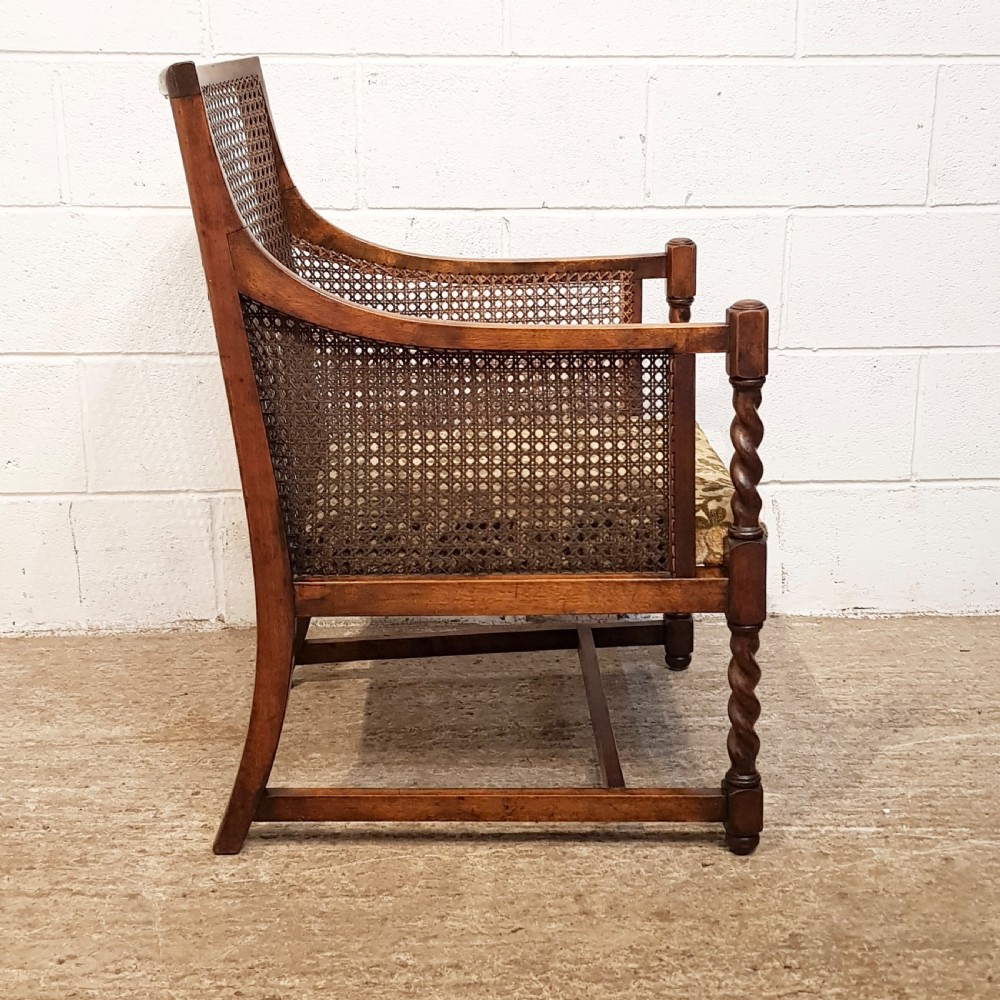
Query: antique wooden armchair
423,436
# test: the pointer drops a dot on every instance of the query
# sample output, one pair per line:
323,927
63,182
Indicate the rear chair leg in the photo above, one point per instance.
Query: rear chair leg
275,657
678,640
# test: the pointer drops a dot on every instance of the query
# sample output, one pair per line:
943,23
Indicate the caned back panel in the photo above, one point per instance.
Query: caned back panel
394,459
244,142
565,298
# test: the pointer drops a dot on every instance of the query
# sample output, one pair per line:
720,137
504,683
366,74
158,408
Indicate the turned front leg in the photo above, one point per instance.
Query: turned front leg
746,365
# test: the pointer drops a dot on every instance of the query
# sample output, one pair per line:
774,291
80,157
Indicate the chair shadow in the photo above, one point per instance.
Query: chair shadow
827,755
512,719
521,719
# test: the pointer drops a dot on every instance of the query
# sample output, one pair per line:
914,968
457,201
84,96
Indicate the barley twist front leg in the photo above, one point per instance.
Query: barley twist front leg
747,367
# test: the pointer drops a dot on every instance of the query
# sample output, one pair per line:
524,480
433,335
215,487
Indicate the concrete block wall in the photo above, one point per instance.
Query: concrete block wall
836,158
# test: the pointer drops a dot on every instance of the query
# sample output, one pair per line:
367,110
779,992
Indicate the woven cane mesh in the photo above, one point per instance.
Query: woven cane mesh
394,459
241,129
585,297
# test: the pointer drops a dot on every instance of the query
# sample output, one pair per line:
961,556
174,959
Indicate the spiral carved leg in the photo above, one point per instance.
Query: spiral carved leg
746,468
746,365
744,795
678,640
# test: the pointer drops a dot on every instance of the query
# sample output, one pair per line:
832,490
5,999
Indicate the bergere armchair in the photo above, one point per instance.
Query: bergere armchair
423,436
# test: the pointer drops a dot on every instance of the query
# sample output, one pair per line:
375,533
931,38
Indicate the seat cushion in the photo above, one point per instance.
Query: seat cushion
713,491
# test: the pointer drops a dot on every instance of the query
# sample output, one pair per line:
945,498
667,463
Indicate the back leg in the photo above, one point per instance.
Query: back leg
678,640
275,657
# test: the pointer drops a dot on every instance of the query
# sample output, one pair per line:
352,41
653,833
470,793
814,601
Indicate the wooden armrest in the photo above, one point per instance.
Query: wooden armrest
264,279
307,224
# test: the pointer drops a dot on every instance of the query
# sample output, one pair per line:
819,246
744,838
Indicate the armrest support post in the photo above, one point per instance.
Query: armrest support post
682,265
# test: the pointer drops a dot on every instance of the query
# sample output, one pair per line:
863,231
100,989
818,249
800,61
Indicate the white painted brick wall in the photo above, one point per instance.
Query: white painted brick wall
957,430
346,27
120,147
327,174
145,558
503,133
872,542
966,169
894,27
652,28
39,579
175,436
29,172
837,158
98,281
41,427
101,26
790,132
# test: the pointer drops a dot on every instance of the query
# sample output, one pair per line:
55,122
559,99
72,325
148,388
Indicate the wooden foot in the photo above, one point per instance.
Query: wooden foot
678,641
275,656
742,845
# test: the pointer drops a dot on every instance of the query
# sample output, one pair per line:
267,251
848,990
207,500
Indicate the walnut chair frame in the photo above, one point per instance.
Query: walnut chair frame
255,233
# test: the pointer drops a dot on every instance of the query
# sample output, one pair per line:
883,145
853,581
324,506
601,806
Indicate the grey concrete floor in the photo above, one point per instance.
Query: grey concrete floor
878,874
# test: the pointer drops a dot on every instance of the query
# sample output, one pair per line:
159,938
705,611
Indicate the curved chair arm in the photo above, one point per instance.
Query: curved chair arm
261,277
307,224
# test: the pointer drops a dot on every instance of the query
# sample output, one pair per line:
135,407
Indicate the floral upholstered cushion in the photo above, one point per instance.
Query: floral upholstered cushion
713,491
